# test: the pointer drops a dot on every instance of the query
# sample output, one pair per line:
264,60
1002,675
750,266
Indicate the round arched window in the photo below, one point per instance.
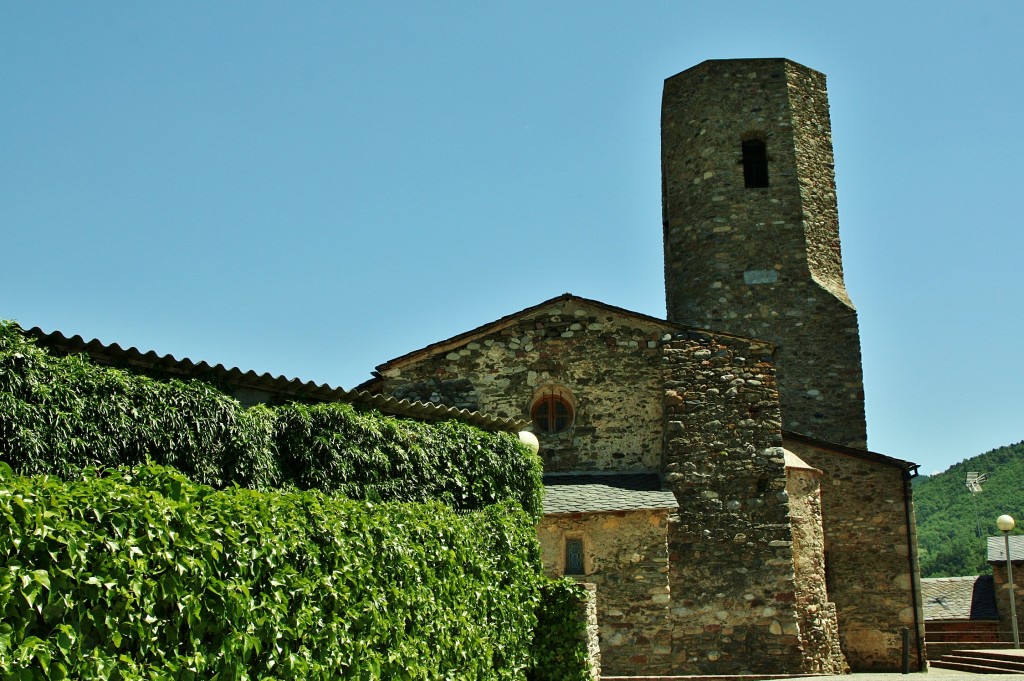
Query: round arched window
551,413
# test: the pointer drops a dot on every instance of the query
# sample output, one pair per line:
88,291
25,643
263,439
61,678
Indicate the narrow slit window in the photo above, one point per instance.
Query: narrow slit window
829,579
755,164
574,556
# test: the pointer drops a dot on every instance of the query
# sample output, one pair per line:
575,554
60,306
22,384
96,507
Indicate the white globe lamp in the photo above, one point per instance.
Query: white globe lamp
530,440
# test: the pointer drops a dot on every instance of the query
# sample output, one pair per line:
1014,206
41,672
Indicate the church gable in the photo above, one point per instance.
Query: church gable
586,373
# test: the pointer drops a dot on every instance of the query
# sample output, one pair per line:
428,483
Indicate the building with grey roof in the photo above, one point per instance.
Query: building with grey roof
708,471
959,598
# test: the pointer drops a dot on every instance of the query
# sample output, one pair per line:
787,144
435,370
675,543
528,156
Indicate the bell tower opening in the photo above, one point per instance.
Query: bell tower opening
755,163
758,264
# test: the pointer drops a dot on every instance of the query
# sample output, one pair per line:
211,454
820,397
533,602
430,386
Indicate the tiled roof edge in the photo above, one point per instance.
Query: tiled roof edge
650,509
852,451
280,385
602,472
501,322
995,549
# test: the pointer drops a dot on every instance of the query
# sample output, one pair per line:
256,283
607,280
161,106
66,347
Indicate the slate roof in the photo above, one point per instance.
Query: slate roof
603,492
997,549
286,388
959,598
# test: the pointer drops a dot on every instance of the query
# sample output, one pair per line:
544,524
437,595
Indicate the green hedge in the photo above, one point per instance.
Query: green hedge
113,577
59,415
147,575
560,647
363,455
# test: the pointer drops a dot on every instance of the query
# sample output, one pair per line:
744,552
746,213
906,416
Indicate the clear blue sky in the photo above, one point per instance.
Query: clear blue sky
310,189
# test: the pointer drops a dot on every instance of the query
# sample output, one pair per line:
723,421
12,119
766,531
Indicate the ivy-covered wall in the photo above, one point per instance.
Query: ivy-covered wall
113,567
59,415
147,575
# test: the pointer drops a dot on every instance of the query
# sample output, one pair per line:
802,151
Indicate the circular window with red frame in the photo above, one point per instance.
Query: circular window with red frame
551,413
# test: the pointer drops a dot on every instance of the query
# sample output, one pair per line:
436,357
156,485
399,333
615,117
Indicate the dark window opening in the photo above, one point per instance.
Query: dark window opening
551,414
574,556
755,164
664,204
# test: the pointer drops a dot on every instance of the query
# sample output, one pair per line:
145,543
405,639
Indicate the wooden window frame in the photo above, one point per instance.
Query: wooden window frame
570,565
552,413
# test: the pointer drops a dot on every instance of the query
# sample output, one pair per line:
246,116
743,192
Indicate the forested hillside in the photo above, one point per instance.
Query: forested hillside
949,516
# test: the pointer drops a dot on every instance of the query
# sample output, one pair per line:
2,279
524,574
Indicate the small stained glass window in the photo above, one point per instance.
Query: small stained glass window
574,556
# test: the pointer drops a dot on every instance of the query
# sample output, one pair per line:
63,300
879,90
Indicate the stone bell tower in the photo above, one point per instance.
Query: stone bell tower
751,231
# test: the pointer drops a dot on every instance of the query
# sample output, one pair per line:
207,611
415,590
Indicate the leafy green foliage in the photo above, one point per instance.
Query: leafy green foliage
560,646
949,516
147,574
363,455
144,574
59,415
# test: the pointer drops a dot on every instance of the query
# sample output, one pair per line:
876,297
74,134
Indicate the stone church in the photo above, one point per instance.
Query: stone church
709,472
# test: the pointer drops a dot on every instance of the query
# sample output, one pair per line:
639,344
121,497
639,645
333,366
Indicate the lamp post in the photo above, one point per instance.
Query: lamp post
1005,524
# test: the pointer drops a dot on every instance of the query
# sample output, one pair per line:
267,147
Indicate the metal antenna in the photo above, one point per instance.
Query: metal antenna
974,480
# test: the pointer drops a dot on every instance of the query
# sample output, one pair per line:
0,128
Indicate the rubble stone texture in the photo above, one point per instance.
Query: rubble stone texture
608,362
870,551
763,262
1001,582
627,561
790,549
730,546
819,626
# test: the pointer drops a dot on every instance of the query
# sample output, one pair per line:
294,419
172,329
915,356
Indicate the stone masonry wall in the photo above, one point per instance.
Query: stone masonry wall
625,556
610,363
871,561
999,576
815,163
588,612
763,262
730,547
819,628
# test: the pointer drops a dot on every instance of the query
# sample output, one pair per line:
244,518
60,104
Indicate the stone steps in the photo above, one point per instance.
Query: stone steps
709,677
982,661
936,650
